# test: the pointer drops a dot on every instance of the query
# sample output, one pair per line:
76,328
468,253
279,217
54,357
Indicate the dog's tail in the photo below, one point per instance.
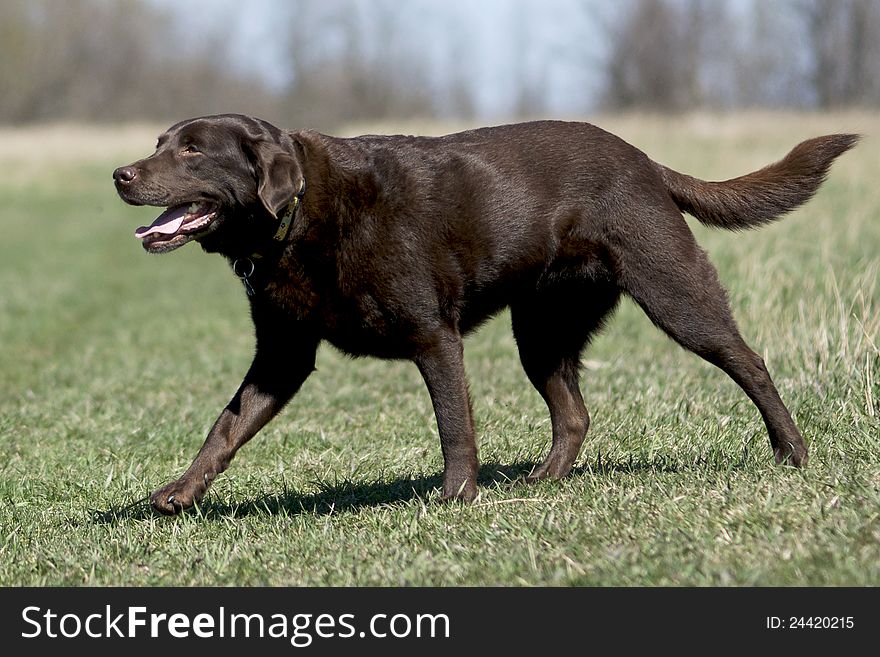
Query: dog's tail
760,197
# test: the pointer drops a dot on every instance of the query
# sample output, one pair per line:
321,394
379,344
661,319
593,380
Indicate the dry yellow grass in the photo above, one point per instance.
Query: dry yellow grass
72,143
733,140
26,151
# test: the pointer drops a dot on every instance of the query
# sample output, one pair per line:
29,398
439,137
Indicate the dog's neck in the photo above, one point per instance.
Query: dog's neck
245,267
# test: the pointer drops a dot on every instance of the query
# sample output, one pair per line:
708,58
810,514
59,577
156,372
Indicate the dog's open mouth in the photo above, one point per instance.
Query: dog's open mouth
177,226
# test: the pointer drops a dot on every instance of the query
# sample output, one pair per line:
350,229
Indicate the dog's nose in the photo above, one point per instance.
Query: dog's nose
124,175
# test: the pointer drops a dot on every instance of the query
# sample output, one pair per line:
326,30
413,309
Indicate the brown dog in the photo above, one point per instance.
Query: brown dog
398,246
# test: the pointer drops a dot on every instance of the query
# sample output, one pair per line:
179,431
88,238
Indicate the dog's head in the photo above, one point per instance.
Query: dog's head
220,178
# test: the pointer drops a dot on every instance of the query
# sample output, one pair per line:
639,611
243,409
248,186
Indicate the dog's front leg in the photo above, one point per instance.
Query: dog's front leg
273,378
442,367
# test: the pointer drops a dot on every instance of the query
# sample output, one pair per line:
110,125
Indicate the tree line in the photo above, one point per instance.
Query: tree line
358,60
675,54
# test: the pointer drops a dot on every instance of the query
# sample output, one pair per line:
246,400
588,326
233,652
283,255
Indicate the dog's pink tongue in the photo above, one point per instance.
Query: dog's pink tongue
167,223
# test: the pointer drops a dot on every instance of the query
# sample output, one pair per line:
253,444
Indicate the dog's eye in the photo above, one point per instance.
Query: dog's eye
189,149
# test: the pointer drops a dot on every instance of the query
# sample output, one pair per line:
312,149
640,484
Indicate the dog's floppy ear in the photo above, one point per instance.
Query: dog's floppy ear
279,176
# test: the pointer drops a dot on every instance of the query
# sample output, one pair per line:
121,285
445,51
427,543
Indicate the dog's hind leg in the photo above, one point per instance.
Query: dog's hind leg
666,272
551,330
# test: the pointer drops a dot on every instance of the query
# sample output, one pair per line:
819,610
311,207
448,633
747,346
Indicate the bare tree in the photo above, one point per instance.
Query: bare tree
96,60
842,37
762,60
863,81
648,66
361,68
528,80
672,54
18,49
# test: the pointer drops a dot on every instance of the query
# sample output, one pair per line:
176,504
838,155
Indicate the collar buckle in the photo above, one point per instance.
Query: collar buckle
287,217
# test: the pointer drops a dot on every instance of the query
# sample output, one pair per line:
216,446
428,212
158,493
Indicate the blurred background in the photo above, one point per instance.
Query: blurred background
113,363
324,64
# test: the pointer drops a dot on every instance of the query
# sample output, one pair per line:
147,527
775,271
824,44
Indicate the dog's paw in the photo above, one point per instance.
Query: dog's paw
552,468
792,453
466,491
175,497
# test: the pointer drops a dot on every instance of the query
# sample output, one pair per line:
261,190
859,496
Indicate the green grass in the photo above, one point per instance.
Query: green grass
114,364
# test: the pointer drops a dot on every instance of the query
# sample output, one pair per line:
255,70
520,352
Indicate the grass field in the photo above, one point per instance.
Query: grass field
114,365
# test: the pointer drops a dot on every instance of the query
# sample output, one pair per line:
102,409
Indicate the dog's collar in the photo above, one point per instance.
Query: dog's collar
287,218
244,267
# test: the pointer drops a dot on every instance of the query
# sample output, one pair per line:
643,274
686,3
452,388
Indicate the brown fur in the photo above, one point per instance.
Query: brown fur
401,245
763,196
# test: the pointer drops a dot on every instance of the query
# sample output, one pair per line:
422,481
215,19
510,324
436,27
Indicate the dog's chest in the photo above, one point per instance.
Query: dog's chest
360,321
364,325
288,288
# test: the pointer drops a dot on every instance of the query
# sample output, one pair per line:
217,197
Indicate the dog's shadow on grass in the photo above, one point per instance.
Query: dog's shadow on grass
329,499
353,495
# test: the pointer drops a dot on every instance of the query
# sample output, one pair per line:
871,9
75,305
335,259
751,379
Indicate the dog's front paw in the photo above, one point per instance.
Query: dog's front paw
176,496
461,491
793,453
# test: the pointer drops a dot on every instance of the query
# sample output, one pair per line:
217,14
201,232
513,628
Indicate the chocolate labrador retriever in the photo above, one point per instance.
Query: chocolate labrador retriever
397,246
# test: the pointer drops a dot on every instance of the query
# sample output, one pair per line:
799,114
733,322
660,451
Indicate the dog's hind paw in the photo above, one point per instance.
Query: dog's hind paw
175,497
